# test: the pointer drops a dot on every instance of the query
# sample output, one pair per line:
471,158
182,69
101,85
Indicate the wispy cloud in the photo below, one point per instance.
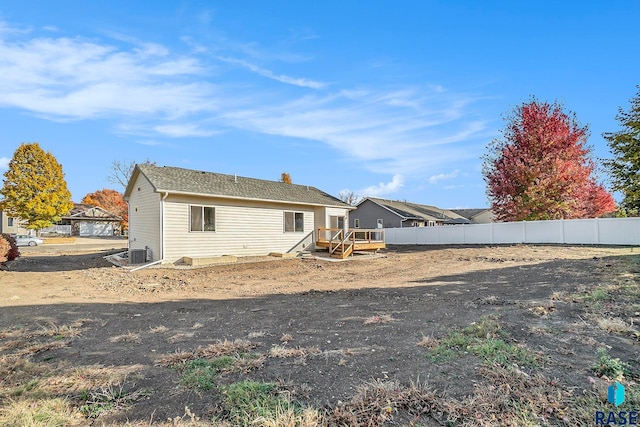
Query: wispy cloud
443,176
4,162
72,78
271,75
152,92
383,188
396,131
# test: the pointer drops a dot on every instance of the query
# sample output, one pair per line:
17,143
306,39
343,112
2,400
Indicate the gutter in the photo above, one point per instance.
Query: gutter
166,194
221,196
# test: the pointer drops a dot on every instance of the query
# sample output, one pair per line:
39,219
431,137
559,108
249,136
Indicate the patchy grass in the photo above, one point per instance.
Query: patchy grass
158,329
250,403
609,367
200,374
483,339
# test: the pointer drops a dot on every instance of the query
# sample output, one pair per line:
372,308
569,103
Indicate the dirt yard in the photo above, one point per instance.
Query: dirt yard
496,335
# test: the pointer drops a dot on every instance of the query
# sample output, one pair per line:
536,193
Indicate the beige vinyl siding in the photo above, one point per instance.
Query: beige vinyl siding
254,228
144,224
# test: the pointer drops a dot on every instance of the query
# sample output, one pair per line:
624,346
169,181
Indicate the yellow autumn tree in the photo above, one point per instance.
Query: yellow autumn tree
34,187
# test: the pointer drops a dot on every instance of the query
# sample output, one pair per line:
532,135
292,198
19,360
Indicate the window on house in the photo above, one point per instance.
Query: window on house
293,221
202,218
356,223
9,222
380,223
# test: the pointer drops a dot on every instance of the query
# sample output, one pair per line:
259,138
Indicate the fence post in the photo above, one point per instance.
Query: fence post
492,238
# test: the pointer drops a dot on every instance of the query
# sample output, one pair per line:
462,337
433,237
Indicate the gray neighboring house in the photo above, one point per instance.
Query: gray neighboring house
380,213
476,216
176,213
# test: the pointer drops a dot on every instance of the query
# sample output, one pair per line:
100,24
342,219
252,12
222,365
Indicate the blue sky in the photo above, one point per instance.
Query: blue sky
389,99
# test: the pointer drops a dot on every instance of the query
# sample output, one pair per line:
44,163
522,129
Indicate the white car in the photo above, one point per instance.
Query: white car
24,240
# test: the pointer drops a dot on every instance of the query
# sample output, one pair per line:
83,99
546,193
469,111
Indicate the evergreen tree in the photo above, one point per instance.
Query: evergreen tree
34,187
541,168
624,168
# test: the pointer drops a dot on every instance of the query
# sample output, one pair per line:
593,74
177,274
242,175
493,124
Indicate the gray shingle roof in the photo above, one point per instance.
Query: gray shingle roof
179,180
470,213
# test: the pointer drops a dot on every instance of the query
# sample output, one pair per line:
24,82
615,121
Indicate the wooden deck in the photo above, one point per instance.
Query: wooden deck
341,244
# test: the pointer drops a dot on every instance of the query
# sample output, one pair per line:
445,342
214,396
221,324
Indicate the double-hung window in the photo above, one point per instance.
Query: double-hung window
202,218
293,222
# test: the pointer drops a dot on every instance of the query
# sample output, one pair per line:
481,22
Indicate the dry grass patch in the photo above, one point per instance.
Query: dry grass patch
258,334
286,352
286,338
375,403
378,319
88,378
615,325
40,347
427,342
54,412
197,325
158,330
221,348
180,337
128,337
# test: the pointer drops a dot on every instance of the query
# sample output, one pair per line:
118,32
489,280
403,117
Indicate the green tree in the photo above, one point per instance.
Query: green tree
624,168
34,187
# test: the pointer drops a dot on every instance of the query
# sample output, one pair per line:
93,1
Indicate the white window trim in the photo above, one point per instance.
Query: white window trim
356,223
215,219
379,221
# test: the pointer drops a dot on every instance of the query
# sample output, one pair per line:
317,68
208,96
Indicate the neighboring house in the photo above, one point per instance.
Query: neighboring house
176,213
11,225
379,213
476,216
87,220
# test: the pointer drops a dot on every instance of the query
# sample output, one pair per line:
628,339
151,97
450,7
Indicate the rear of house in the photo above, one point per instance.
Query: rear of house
176,213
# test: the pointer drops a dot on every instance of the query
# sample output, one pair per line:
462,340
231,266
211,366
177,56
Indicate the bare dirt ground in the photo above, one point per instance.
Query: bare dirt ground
501,335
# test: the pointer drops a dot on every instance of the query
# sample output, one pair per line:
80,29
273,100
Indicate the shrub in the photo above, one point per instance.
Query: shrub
8,248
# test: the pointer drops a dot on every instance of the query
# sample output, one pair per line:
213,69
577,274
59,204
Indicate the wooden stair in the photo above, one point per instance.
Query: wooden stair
341,247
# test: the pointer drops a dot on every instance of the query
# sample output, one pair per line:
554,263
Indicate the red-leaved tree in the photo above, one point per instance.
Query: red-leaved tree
110,200
541,168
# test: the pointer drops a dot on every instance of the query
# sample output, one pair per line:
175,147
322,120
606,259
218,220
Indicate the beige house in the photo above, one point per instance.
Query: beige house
476,216
176,213
11,225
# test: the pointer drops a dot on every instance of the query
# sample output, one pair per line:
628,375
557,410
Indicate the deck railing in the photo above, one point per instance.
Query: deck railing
359,234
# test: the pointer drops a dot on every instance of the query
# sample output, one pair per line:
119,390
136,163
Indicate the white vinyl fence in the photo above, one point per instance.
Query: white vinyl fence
598,231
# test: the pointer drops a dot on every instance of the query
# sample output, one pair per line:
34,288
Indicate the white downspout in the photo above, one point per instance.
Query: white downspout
166,194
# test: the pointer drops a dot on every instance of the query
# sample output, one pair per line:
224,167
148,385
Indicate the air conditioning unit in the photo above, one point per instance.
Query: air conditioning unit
137,256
